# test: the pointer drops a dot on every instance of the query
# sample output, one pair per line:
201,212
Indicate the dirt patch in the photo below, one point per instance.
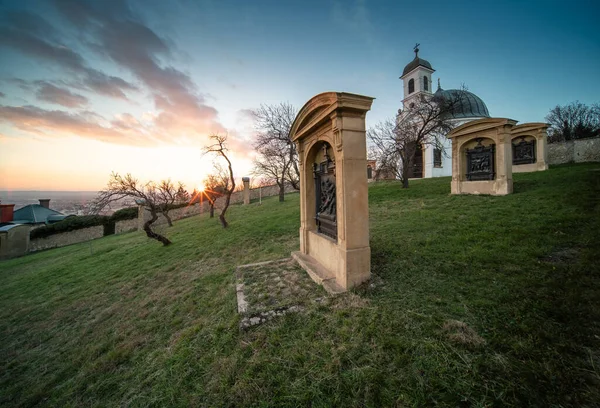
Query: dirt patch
269,289
459,332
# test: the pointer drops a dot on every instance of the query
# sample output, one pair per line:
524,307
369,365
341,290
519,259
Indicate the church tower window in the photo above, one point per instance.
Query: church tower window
425,83
411,86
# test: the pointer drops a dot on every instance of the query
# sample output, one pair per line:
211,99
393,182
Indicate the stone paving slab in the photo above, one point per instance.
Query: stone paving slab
269,289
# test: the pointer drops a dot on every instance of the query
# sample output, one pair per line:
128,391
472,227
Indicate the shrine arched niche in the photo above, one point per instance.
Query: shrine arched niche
523,150
322,192
478,159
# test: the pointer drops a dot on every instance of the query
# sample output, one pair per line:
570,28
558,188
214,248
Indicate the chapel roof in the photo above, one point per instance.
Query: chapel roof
468,104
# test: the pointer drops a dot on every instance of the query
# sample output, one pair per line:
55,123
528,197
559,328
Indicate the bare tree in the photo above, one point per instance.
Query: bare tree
273,164
154,198
573,121
273,124
168,196
219,148
426,122
215,186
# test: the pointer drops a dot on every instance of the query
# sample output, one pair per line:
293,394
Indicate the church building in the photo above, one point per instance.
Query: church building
431,160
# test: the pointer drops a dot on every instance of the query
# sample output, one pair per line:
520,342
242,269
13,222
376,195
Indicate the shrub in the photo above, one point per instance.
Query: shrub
72,224
128,213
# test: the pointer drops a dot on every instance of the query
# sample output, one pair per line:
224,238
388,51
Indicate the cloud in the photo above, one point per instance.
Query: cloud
2,94
135,46
33,36
107,85
36,120
61,96
247,114
124,129
181,113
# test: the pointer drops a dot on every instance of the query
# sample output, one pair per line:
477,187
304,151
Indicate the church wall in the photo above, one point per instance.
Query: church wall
446,169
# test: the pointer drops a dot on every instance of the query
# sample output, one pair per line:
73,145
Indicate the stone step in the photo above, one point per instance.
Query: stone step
318,273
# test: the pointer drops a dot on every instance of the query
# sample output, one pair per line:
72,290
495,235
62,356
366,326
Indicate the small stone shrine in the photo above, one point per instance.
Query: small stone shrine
482,157
529,147
329,133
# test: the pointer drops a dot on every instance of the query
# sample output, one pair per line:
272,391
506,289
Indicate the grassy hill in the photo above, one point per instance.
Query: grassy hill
478,301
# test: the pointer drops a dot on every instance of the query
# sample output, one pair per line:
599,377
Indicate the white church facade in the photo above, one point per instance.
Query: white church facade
431,160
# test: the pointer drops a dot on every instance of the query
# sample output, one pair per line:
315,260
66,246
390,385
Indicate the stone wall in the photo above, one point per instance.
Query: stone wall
269,191
66,238
126,226
176,214
581,150
136,224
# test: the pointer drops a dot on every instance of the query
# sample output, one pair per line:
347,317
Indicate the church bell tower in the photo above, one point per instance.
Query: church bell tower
416,78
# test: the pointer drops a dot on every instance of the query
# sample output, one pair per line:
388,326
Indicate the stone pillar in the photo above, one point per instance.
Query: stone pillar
329,132
246,181
490,174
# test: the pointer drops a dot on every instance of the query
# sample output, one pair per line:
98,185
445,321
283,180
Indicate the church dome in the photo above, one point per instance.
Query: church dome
468,104
417,62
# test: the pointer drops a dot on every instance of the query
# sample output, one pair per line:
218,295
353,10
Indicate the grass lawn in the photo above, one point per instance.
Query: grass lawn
480,301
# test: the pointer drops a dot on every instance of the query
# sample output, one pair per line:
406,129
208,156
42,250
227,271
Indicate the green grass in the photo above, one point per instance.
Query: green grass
138,324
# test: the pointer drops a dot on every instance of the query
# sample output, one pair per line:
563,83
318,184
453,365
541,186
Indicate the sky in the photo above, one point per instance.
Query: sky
90,87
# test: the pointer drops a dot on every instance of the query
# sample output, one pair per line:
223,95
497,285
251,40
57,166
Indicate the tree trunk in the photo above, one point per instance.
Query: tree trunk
408,158
406,164
281,192
169,221
224,222
151,234
212,210
295,181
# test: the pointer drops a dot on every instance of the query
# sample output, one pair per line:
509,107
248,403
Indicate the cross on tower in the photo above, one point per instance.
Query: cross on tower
417,49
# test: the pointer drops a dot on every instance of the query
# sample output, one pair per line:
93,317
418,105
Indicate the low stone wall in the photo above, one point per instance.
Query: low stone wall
578,151
269,191
66,238
126,226
86,234
176,214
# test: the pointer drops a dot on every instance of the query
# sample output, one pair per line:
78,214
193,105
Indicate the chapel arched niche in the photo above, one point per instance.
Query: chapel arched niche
478,159
330,135
523,150
321,165
481,157
529,147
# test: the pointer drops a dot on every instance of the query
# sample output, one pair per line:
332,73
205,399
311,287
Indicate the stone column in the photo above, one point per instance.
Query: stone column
542,147
246,181
504,181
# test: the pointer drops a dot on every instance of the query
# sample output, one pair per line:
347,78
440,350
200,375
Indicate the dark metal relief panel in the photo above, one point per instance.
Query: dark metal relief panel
480,162
325,202
523,152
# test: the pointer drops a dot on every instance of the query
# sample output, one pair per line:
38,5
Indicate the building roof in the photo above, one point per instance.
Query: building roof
33,214
417,62
468,104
